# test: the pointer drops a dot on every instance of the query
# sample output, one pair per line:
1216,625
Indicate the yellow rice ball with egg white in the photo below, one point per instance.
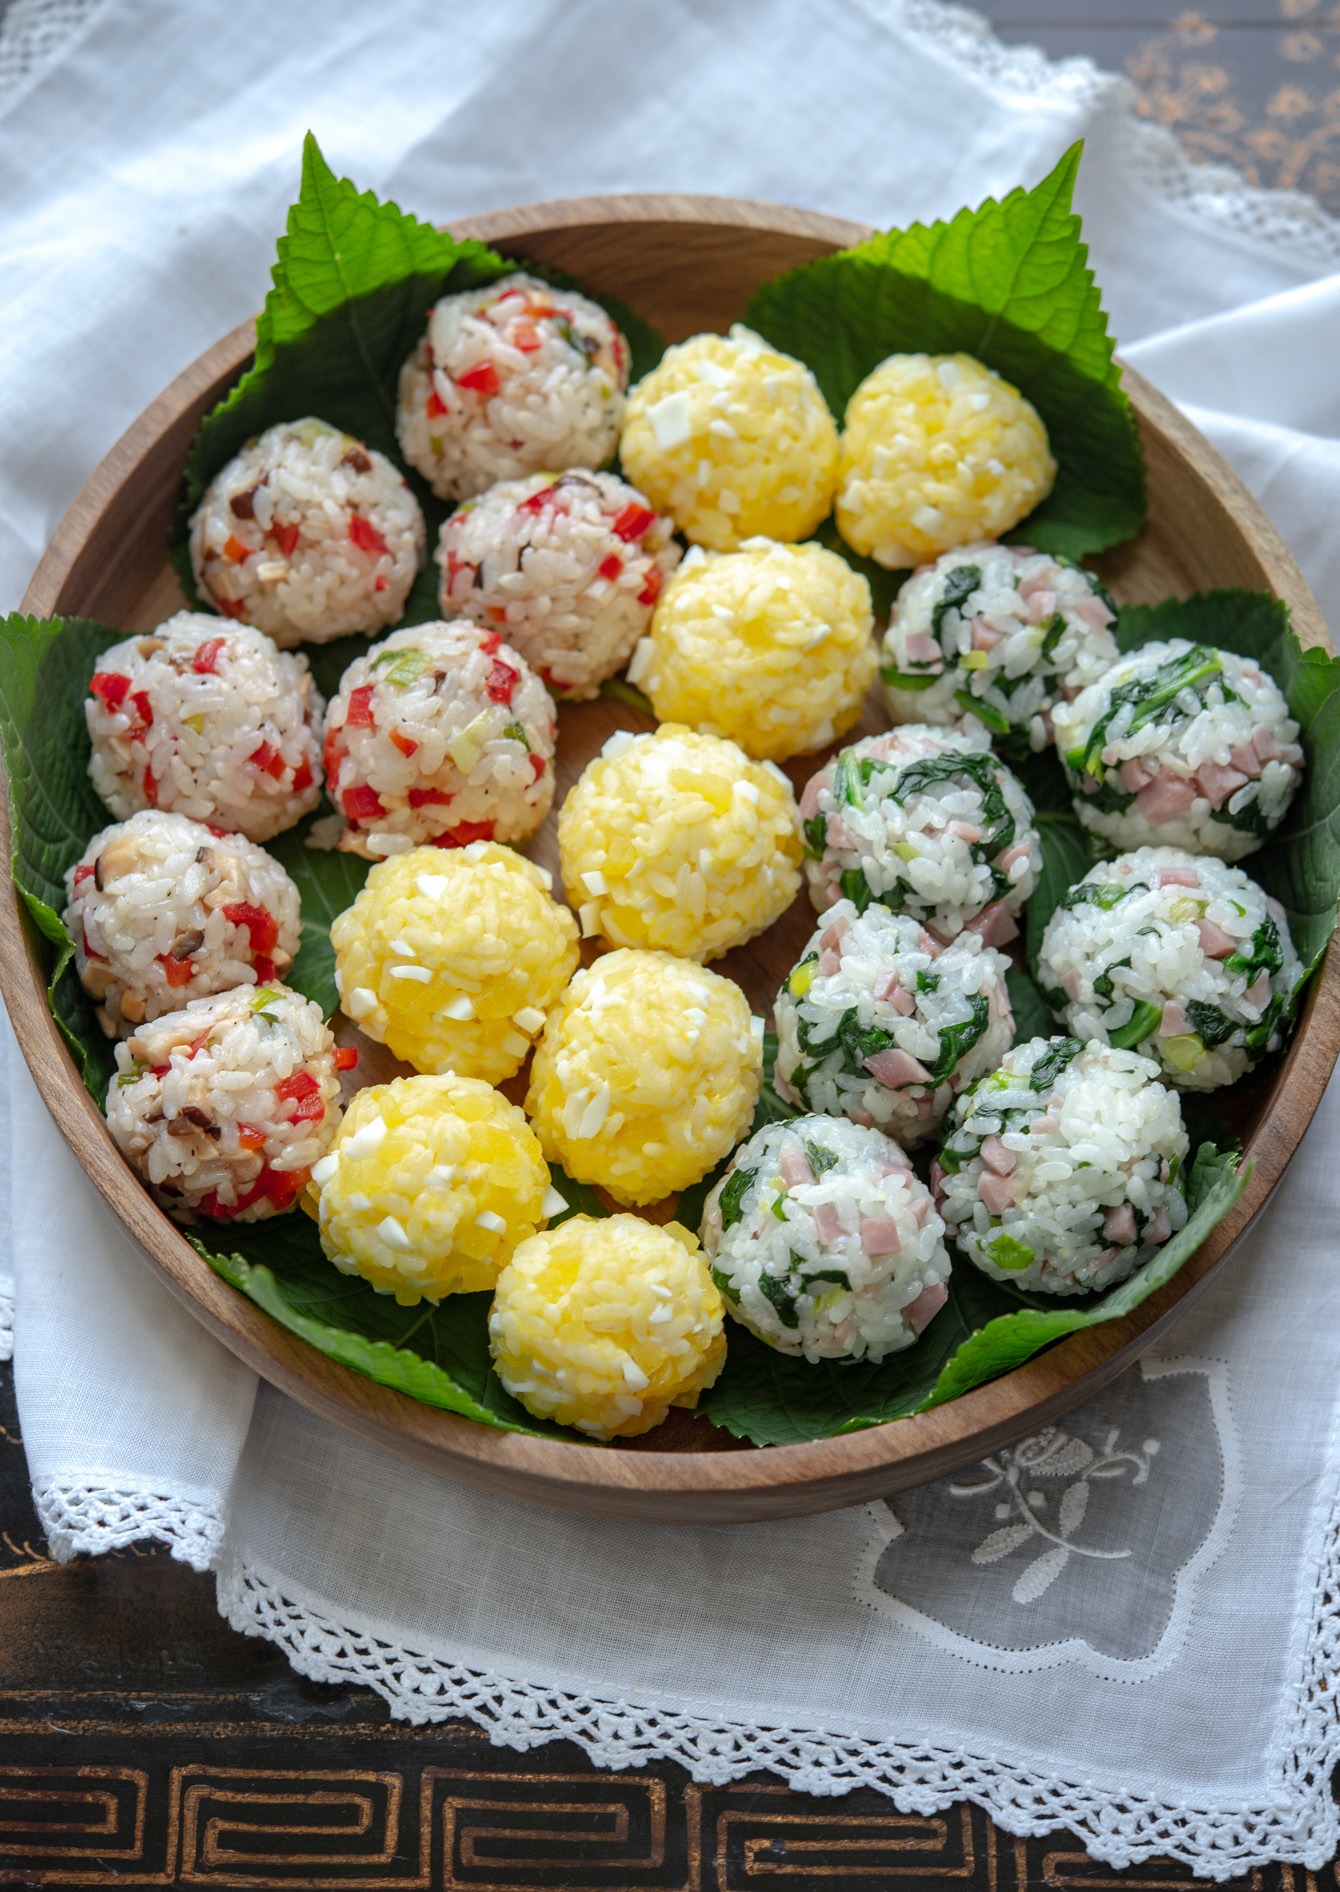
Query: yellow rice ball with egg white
732,439
451,957
647,1074
937,451
429,1186
771,646
606,1323
678,842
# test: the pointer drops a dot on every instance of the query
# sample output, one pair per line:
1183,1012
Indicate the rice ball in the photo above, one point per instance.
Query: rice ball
163,910
429,1186
937,451
605,1323
308,534
926,822
1063,1170
647,1073
882,1023
452,959
679,842
770,646
1183,745
207,720
999,632
224,1106
511,378
568,568
825,1243
1177,956
442,733
733,440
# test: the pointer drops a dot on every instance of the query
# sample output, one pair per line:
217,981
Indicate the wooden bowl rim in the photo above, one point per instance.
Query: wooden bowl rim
665,1485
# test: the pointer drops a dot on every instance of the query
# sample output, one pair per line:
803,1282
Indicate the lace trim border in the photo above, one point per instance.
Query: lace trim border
94,1519
35,34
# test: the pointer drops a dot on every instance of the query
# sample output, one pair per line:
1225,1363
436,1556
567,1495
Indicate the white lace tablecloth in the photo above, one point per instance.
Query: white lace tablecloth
1125,1626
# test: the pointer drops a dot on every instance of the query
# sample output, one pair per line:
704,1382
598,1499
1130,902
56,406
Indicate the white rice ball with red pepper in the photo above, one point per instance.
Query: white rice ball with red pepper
825,1243
224,1106
1184,745
441,734
308,534
1178,956
511,378
568,568
162,910
209,720
881,1023
1064,1168
923,821
1000,632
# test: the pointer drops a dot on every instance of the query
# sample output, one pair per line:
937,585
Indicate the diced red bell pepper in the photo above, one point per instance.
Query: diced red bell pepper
346,1058
199,1044
302,776
304,1093
651,590
464,833
267,758
611,567
498,612
537,766
251,1136
261,925
362,803
501,681
144,708
420,797
537,501
280,1187
455,566
159,1070
265,970
633,521
286,538
205,663
404,743
235,551
109,688
179,971
88,950
436,405
481,379
359,713
82,873
231,607
490,641
332,755
365,535
379,582
218,833
526,337
149,787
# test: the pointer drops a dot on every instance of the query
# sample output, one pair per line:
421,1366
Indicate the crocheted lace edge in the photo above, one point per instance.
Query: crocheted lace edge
94,1519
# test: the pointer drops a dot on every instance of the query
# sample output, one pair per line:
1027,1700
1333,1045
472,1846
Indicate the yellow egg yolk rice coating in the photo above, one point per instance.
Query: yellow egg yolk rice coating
429,1187
771,646
451,957
937,451
606,1323
732,439
647,1073
679,842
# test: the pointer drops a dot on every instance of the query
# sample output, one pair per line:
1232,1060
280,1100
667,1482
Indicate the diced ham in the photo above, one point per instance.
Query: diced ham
1178,877
1019,852
784,1090
1135,773
1258,994
1264,743
997,1157
998,1004
994,925
890,988
809,799
1043,1127
828,963
1041,603
832,937
1174,1020
1243,756
1166,797
1119,1224
896,1068
1070,984
1158,1228
827,1226
937,1180
985,636
921,1312
997,1192
1094,613
839,834
1218,783
859,1114
922,650
795,1170
921,1208
1215,943
879,1236
966,831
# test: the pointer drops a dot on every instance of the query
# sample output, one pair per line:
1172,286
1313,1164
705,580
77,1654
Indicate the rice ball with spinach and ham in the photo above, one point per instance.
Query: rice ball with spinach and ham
163,910
825,1243
881,1023
308,534
999,632
511,378
1063,1170
209,721
569,568
926,822
441,734
1184,745
225,1106
1178,956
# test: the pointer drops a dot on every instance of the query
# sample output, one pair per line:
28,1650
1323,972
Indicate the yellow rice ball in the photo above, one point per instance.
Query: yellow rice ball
771,645
679,842
732,439
605,1324
451,957
937,451
647,1074
429,1186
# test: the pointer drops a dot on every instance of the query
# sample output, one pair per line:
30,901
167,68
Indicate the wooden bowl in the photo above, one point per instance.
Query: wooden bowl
686,264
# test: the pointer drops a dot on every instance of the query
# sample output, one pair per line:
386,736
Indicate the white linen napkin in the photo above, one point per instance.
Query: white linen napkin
1119,1628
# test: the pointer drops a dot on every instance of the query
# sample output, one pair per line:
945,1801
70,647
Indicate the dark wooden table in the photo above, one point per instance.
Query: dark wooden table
142,1742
